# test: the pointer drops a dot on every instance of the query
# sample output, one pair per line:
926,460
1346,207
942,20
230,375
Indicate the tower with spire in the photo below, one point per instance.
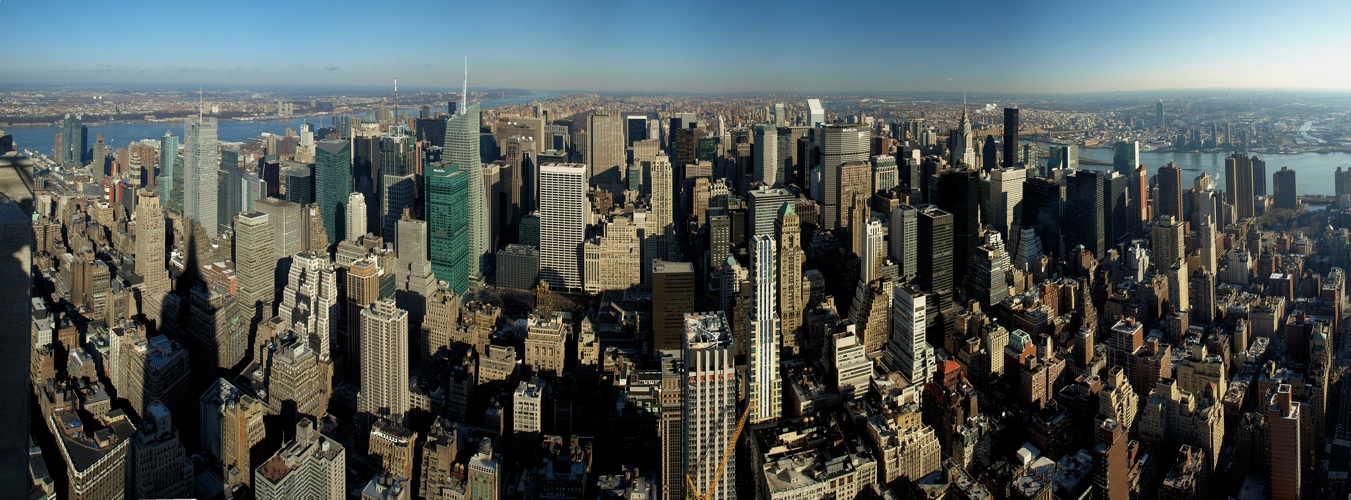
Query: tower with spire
962,151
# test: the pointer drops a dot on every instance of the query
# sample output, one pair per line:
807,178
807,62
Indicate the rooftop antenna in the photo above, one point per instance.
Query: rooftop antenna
201,105
396,98
465,89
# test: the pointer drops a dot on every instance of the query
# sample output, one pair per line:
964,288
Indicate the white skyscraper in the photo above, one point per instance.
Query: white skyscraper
462,148
201,160
1208,253
356,215
384,361
1006,198
908,352
816,114
963,152
663,206
763,350
874,250
709,406
564,209
309,303
765,151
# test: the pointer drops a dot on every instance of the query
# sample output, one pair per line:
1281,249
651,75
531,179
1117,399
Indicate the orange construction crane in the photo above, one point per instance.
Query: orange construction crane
722,464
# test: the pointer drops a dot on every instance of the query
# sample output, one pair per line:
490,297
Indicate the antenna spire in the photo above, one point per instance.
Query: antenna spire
396,98
201,105
464,91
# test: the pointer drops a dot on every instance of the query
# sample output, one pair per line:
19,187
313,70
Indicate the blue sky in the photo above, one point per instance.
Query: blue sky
697,45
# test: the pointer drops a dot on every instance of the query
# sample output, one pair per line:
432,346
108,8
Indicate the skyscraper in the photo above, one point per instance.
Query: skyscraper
1168,241
230,192
1170,191
1159,118
150,249
959,195
200,162
1238,180
448,225
384,361
765,154
1125,157
1084,222
255,262
311,466
1010,138
790,279
168,163
605,133
989,155
564,209
399,193
710,410
1259,176
910,352
904,235
1042,207
462,149
309,302
763,338
816,114
1283,419
1006,198
635,129
356,215
1285,192
1119,224
963,153
673,294
333,185
74,141
839,144
663,208
935,262
162,468
363,285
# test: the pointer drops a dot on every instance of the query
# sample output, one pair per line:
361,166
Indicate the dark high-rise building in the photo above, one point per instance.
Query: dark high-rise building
959,195
935,235
1159,118
1125,157
230,191
1259,176
635,129
989,154
1010,137
1170,191
1283,435
1238,189
299,184
1042,199
447,215
98,163
1111,459
1285,192
74,141
518,267
1341,183
1084,222
1119,222
333,185
673,287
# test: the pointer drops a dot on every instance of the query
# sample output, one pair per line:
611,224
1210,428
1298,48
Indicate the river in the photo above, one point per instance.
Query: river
1314,170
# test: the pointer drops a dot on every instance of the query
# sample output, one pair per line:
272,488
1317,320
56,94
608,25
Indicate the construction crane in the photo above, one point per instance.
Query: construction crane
722,464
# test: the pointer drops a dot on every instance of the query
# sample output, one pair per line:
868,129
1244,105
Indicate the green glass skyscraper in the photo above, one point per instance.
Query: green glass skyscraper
168,171
333,185
448,225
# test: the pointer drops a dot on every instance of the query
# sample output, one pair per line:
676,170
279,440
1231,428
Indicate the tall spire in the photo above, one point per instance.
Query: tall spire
201,104
396,85
464,91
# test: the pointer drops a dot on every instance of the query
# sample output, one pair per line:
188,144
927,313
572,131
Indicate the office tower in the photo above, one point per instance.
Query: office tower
161,468
1119,223
74,142
517,267
1067,157
986,272
1342,183
959,195
673,294
299,383
840,144
962,151
885,173
671,423
1168,238
384,361
1125,157
1006,198
874,251
710,406
564,209
231,425
935,262
398,193
765,154
1160,120
363,283
854,191
816,114
255,259
98,161
791,257
200,162
605,150
1209,251
230,194
612,256
462,149
1285,192
765,205
1239,177
1085,221
1283,436
309,302
333,185
1170,191
311,466
447,224
168,162
286,227
1042,212
1111,461
904,236
390,448
356,216
1259,176
780,116
635,129
662,200
150,249
253,188
908,350
484,478
299,184
763,363
989,155
1011,144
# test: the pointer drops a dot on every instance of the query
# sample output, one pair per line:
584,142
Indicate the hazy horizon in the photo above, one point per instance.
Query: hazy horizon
707,47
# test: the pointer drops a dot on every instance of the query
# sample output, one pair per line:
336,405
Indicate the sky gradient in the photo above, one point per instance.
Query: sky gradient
690,46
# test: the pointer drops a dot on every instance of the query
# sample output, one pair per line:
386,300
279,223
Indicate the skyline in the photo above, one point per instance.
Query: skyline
707,47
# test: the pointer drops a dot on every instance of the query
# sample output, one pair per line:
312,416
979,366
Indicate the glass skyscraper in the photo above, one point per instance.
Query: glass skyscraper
462,149
333,185
168,159
448,225
200,162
